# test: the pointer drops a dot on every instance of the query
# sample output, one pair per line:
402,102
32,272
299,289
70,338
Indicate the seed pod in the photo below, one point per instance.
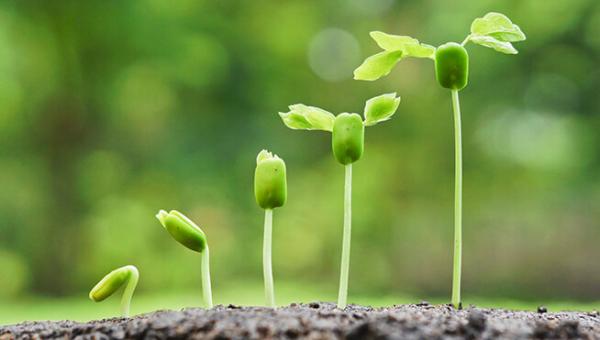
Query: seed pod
348,138
112,282
270,183
183,230
452,66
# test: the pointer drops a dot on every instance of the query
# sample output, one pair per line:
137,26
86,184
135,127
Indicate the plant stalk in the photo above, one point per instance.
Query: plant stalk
457,201
267,264
128,292
343,292
206,287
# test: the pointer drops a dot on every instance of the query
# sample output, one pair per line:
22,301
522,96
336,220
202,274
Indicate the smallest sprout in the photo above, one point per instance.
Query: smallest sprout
112,282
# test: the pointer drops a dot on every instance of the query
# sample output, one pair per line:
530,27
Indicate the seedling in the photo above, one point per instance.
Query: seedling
451,61
348,134
270,191
112,282
191,236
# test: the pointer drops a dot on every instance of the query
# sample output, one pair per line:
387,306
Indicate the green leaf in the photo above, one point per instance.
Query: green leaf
390,42
419,50
380,108
303,117
408,45
295,121
378,65
497,26
491,42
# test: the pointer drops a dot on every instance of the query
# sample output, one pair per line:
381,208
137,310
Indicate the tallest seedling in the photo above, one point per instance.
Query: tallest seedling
347,142
451,60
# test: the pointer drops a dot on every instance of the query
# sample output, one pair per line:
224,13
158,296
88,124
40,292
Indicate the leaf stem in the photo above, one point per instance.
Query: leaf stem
457,201
206,287
134,276
267,265
466,40
343,292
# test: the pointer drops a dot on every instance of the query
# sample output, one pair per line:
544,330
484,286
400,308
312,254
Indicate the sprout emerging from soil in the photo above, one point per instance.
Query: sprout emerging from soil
109,284
191,236
451,60
348,135
270,191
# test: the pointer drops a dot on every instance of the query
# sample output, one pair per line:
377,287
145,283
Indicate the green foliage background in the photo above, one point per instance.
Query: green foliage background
112,110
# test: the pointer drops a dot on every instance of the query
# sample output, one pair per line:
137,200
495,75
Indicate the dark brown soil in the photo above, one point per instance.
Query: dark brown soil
324,321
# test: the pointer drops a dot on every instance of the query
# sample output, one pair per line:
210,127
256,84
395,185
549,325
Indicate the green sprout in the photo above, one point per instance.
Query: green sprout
112,282
348,134
270,191
495,31
186,232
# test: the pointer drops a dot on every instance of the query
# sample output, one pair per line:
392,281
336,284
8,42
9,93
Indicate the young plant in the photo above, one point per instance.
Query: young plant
348,134
112,282
191,236
451,61
270,191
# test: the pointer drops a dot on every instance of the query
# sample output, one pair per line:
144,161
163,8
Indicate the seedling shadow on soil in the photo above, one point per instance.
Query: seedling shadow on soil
325,321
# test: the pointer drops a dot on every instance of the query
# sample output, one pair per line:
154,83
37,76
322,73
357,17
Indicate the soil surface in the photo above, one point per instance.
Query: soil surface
324,321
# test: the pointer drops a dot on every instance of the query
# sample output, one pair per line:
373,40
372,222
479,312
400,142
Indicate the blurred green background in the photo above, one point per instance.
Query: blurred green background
112,110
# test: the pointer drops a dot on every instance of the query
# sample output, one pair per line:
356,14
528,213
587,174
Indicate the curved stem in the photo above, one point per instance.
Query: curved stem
206,287
128,292
457,201
343,292
267,267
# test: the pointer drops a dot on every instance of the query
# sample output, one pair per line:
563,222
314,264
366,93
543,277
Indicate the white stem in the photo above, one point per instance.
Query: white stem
343,292
457,201
128,292
206,287
466,40
267,265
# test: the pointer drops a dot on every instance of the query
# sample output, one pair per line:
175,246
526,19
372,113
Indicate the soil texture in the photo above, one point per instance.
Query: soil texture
323,321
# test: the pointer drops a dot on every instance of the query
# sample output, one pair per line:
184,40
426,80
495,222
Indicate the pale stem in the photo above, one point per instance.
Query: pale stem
457,201
267,266
206,287
128,292
465,42
343,293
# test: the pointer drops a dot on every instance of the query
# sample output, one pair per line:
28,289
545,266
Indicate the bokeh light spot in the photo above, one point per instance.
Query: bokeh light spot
333,54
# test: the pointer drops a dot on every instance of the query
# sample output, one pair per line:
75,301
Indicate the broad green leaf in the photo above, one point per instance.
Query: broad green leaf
491,42
303,117
390,42
295,121
408,45
378,65
380,108
498,26
419,50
